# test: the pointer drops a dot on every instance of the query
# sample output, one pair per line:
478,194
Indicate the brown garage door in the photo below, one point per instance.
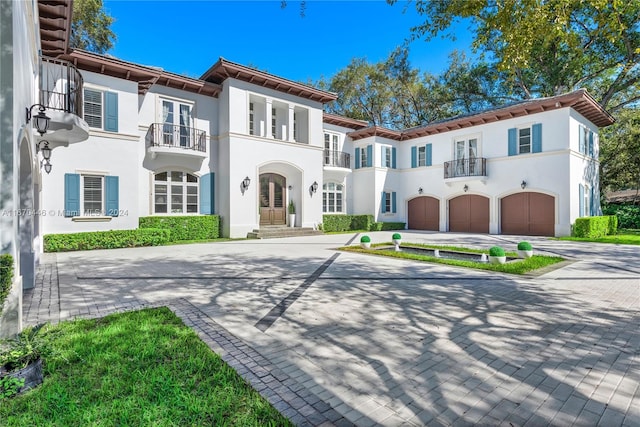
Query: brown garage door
529,214
424,213
469,214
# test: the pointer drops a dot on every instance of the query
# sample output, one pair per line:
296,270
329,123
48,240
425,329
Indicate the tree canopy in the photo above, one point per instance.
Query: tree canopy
545,48
90,28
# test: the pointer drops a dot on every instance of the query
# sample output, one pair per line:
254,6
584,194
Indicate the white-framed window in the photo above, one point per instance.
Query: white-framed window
422,155
386,158
252,126
363,157
387,202
92,195
93,108
177,122
332,197
175,192
524,140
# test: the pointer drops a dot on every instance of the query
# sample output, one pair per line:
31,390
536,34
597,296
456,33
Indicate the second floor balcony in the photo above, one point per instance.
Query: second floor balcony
463,168
169,139
337,159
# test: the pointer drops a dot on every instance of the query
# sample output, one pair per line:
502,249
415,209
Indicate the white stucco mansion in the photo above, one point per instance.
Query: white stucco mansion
128,140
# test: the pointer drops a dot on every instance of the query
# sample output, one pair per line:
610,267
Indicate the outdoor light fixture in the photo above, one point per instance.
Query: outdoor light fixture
44,147
245,184
313,188
465,188
41,119
47,166
290,187
523,184
420,190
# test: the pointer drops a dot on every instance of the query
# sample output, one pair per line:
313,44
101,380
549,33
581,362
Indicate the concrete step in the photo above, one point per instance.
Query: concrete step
277,232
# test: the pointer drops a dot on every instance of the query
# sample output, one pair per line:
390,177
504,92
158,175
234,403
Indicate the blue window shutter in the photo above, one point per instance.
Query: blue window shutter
393,202
414,157
369,156
581,196
383,202
112,195
111,111
393,157
427,150
71,194
582,141
513,141
207,193
357,158
591,143
536,138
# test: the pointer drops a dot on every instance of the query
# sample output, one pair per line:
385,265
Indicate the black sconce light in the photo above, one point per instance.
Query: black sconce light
420,191
313,188
244,185
465,188
523,184
47,167
43,146
41,119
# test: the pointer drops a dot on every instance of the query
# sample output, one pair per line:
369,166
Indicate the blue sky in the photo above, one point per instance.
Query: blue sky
187,37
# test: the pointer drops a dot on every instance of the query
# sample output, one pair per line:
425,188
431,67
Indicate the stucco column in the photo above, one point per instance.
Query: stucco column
269,107
290,124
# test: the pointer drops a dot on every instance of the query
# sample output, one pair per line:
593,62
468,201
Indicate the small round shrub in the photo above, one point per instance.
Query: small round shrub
396,236
496,251
524,246
365,239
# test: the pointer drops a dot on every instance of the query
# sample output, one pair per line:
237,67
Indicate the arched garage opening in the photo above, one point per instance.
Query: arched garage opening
528,214
469,214
424,213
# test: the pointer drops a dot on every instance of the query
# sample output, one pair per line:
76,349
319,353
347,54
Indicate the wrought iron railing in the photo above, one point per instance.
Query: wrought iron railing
476,166
183,137
337,159
61,86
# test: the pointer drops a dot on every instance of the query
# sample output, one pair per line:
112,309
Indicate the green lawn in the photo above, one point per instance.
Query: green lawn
137,368
516,267
624,237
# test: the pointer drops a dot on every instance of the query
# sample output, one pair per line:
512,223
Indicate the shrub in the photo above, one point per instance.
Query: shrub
524,246
346,222
365,239
106,239
292,207
628,215
6,277
396,236
592,227
202,227
496,251
382,226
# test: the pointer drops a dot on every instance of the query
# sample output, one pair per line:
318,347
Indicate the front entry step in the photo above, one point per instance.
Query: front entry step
274,232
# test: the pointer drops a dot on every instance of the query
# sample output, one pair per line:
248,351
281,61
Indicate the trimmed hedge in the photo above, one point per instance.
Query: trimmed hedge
593,227
357,222
203,227
6,277
106,239
383,226
628,215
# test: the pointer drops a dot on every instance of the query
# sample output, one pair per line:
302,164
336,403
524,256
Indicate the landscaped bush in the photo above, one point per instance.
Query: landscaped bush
346,222
496,251
6,277
383,226
365,239
628,215
593,227
106,239
524,246
203,227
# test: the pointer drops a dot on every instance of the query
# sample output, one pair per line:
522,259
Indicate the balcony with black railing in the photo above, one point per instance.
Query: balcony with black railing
61,93
176,140
337,159
460,168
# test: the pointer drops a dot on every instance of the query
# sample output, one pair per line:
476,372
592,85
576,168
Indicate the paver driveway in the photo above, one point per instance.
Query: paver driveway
341,339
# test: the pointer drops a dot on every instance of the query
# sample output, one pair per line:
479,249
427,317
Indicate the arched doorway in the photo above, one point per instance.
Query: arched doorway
424,213
272,199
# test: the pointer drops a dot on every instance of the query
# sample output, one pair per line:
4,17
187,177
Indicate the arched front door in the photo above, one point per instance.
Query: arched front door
272,199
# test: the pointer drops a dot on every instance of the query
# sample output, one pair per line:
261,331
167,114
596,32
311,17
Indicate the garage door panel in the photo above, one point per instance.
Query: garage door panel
424,213
469,214
530,214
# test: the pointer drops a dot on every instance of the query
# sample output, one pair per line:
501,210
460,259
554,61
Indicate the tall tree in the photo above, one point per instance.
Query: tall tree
549,47
90,28
620,152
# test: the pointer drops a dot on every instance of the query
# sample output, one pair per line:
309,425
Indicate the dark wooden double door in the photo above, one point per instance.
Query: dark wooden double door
273,195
